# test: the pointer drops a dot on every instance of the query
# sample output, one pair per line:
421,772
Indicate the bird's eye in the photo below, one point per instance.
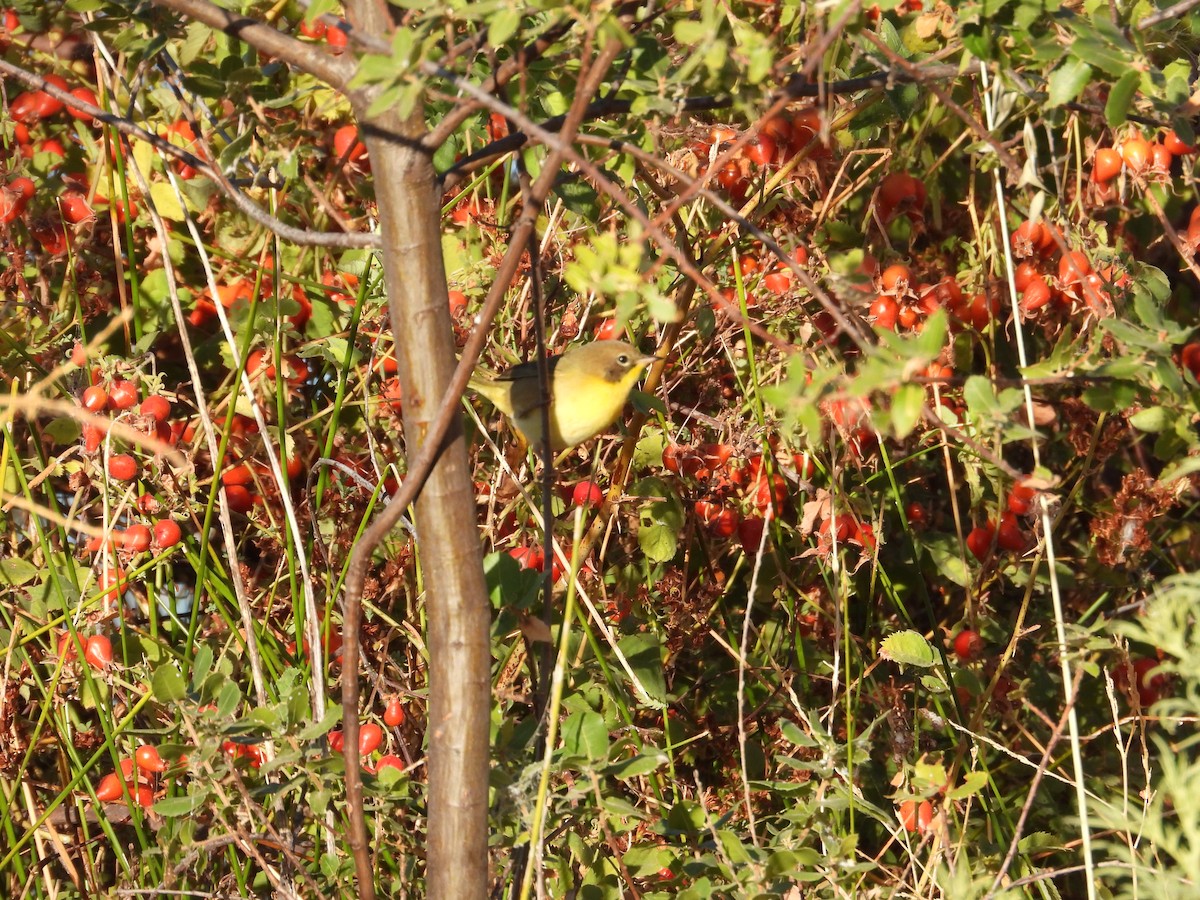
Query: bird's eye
623,359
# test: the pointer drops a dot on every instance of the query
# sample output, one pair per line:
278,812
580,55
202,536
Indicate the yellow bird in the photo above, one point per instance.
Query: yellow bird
589,385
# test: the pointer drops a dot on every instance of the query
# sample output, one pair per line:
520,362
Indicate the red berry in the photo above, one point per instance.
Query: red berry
761,151
314,30
917,514
967,645
1189,357
122,394
92,438
347,146
529,557
148,759
769,491
110,789
156,407
924,815
136,538
166,533
606,330
240,500
1024,274
75,207
389,759
884,312
370,736
901,194
979,541
719,521
1073,267
1136,152
1009,535
336,38
1175,145
122,467
1106,165
97,652
750,533
1036,295
1150,688
393,714
46,105
587,493
87,95
95,398
778,281
1020,498
895,279
25,107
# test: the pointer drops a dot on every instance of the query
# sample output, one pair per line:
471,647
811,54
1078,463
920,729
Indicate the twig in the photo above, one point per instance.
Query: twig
290,233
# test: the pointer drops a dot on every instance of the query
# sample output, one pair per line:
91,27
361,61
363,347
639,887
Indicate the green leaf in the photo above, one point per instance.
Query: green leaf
1180,469
168,684
1120,96
578,196
1040,842
907,404
647,859
16,571
585,734
972,783
63,431
504,24
637,766
235,149
166,201
658,541
202,662
644,656
1154,419
1068,81
908,648
228,699
934,684
171,807
332,716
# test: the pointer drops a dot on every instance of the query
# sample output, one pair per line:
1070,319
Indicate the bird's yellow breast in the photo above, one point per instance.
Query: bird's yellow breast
589,386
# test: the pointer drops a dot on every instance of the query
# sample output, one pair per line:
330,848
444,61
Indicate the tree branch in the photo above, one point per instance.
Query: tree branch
290,233
798,86
333,70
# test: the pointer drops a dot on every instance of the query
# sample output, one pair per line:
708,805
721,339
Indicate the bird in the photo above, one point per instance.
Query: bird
589,384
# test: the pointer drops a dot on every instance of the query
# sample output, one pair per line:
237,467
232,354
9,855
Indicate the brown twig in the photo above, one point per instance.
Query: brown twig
1038,774
288,232
1008,160
335,71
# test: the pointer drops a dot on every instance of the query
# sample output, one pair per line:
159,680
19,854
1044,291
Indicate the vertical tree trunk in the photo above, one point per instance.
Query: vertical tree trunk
409,199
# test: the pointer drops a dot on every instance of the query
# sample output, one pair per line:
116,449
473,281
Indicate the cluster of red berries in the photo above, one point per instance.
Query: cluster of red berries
136,775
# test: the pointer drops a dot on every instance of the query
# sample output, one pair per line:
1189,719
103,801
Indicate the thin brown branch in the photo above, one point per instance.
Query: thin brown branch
1038,774
333,70
532,52
1009,161
1171,12
652,230
797,87
289,233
